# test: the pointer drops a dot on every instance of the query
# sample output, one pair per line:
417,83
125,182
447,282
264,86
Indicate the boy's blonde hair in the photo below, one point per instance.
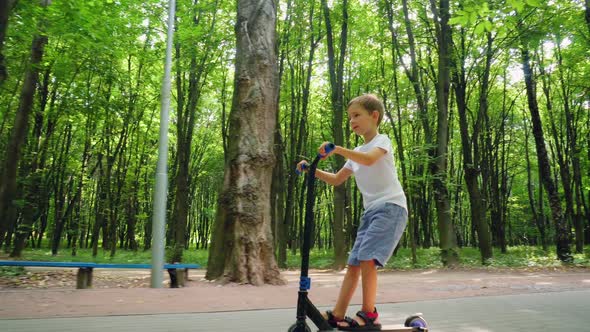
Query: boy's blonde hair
371,103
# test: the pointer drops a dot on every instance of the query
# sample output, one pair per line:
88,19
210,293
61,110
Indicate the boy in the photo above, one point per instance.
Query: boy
385,216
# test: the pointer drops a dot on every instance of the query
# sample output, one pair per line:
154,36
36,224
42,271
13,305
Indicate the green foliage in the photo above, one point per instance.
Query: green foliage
12,271
123,256
516,257
103,69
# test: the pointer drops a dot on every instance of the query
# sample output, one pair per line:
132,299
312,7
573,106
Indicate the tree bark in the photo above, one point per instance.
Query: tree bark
562,233
448,238
537,214
19,132
34,192
242,248
6,7
336,71
471,165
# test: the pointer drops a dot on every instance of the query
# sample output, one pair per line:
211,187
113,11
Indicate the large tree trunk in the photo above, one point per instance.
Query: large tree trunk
19,132
336,84
448,238
242,248
562,233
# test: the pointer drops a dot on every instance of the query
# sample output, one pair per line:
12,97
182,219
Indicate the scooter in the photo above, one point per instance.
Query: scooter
305,308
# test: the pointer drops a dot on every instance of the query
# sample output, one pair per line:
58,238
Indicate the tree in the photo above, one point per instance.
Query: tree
415,73
20,130
242,247
5,9
85,171
299,57
448,239
199,69
336,71
469,144
562,233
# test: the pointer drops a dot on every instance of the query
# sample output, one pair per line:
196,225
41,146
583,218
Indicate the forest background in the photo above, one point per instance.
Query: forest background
487,104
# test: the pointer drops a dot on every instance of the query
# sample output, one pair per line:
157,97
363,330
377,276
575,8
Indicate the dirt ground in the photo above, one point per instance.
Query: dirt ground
51,292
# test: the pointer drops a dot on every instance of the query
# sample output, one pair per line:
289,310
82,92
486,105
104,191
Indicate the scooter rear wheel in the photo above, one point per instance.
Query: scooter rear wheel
295,328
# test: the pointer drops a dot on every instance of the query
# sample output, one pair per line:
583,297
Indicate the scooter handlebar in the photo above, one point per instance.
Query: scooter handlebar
327,148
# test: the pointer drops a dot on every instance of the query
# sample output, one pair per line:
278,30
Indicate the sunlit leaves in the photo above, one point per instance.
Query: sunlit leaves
96,48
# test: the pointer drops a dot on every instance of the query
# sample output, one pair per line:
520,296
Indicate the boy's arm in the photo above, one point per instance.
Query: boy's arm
334,179
363,158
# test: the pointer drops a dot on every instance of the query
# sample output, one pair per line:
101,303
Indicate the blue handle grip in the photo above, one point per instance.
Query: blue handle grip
328,148
298,172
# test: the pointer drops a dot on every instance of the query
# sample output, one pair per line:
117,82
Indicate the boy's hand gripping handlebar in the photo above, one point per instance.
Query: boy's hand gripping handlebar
327,148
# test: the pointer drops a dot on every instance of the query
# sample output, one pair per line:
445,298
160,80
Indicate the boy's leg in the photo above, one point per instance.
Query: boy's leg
347,289
369,272
369,285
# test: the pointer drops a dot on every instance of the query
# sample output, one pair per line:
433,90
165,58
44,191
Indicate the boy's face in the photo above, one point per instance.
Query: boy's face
361,121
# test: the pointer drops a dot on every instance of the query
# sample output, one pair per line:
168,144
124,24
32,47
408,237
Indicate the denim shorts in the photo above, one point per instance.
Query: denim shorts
381,228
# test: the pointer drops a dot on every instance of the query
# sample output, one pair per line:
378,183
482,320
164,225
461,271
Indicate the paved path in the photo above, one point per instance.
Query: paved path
201,296
554,311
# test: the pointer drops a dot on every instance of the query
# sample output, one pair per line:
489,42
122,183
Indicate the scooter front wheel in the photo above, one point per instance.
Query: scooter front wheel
416,320
295,328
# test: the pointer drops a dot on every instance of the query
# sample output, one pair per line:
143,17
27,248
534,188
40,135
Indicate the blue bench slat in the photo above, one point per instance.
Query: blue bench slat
95,265
145,266
46,264
181,266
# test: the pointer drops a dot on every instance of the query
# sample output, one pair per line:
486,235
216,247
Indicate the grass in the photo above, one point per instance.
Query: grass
516,257
103,256
12,271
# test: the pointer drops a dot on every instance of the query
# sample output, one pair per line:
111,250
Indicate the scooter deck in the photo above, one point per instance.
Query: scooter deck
401,328
396,328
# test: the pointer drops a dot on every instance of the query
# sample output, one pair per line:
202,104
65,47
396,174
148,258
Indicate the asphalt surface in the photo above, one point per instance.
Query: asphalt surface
552,311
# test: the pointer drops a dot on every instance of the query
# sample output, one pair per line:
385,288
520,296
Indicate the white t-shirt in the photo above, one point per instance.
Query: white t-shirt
378,183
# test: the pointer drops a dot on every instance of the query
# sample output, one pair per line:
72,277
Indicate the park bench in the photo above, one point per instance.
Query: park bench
178,272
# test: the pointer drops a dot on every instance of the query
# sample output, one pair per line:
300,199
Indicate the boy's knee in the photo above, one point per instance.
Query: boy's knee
369,263
353,269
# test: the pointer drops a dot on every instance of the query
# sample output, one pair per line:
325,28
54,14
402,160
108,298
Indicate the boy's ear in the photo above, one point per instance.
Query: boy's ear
375,115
